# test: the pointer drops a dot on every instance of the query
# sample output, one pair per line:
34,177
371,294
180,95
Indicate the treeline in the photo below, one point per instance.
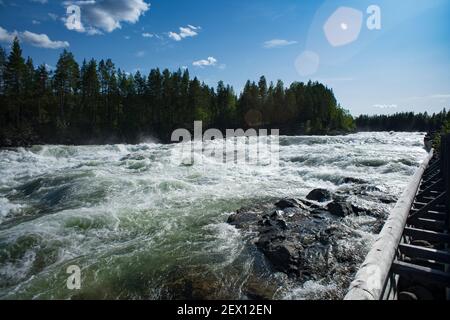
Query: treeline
405,121
95,103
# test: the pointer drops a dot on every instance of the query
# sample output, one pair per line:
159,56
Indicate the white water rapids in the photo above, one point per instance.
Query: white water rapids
139,224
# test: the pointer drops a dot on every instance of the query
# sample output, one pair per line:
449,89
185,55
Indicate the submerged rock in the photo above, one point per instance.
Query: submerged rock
203,283
134,157
351,180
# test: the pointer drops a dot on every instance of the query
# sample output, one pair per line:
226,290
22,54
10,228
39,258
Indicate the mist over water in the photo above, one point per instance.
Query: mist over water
142,225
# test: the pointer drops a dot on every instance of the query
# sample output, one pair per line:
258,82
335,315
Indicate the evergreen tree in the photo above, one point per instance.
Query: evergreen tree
2,70
42,94
96,102
14,82
66,84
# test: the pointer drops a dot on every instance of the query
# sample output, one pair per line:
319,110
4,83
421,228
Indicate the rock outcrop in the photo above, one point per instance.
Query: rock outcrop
303,237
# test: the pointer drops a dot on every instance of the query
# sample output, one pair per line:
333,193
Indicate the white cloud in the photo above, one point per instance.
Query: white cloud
35,22
148,35
34,39
42,41
106,15
210,61
6,36
175,36
278,43
40,1
386,106
185,32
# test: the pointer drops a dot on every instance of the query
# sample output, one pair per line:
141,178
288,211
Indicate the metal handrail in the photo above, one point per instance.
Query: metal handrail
371,280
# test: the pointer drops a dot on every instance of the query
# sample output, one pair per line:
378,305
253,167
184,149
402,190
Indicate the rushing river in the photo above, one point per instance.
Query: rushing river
139,223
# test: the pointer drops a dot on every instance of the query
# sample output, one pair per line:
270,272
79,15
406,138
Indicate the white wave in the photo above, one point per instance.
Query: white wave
88,201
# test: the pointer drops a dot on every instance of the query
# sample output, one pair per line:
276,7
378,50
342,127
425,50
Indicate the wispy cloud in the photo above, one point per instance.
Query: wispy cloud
278,43
140,54
53,16
185,32
210,61
385,106
440,96
338,79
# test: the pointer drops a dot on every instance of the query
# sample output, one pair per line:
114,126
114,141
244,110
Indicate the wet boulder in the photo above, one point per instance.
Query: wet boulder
294,240
288,203
283,255
247,217
320,195
340,209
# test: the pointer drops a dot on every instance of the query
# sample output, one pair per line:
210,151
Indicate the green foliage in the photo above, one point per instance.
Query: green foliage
444,130
97,103
406,121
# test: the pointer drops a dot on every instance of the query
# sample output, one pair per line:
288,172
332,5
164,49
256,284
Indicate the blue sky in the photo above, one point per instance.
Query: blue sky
402,66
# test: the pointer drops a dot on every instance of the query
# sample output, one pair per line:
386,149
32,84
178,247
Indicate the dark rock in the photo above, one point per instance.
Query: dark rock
309,205
292,240
277,215
359,211
288,203
340,209
243,220
370,188
319,195
284,256
387,199
135,157
349,180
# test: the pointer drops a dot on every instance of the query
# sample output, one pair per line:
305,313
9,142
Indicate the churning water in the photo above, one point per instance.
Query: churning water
141,225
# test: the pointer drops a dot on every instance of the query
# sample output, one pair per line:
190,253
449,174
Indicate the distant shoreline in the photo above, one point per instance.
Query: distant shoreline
103,142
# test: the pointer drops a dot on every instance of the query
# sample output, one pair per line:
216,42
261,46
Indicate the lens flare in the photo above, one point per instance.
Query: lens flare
344,26
307,63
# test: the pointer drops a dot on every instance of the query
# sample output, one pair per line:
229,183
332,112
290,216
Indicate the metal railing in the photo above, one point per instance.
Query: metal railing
374,280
